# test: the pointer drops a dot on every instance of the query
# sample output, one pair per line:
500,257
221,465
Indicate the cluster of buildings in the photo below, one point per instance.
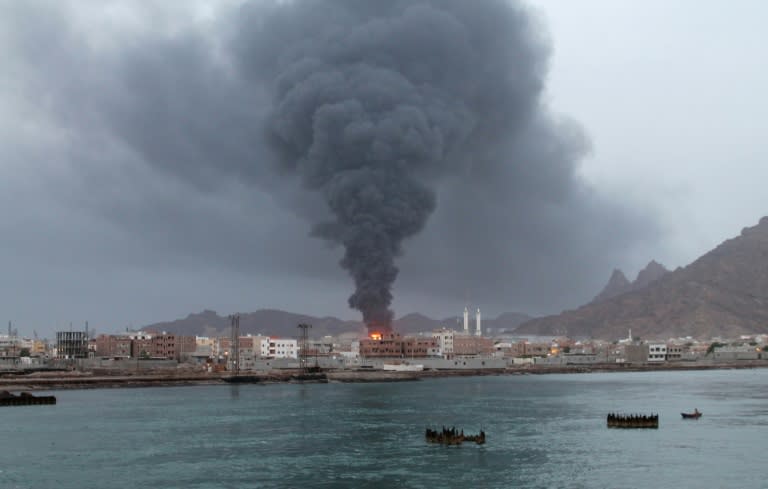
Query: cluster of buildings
443,348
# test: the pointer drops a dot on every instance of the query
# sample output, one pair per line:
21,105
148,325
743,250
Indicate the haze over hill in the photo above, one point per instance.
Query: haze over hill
281,323
723,293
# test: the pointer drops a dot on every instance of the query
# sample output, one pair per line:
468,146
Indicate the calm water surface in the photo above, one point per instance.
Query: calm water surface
543,431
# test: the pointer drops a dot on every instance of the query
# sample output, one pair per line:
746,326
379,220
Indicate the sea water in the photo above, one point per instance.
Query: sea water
543,431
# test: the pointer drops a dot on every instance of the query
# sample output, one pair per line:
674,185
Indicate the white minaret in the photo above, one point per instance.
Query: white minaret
479,331
466,321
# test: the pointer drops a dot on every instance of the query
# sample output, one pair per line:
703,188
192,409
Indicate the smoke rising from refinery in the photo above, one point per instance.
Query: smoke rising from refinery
373,103
413,135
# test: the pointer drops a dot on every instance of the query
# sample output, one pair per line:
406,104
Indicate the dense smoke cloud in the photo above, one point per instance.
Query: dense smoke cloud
414,128
373,103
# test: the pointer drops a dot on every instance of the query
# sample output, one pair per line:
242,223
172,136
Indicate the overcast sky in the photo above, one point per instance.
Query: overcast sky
121,206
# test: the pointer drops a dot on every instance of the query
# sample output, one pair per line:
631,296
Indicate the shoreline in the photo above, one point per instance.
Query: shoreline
67,381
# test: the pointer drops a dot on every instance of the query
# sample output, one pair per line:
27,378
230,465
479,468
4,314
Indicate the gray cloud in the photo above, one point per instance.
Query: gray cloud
216,142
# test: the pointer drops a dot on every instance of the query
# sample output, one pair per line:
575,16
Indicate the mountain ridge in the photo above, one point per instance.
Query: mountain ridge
276,322
722,293
619,284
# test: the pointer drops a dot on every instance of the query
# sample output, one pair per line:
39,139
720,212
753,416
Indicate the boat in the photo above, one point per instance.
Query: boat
453,436
633,420
316,378
242,379
24,399
696,414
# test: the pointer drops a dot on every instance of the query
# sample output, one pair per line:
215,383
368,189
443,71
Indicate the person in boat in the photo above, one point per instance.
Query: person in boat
695,411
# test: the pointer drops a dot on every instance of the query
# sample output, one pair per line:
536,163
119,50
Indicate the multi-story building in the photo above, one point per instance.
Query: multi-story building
205,343
71,344
145,345
279,347
472,345
113,346
141,345
394,345
10,346
444,339
657,352
674,352
526,349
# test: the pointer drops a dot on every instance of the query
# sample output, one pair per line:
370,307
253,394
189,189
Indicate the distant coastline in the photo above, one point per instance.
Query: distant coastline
76,380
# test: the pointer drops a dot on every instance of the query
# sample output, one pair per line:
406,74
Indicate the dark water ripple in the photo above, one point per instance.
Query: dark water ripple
543,432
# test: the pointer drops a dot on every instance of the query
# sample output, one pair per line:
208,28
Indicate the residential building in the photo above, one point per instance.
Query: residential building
394,345
444,339
472,345
657,352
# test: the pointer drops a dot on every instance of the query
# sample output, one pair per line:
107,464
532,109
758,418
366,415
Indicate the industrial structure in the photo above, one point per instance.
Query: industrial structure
71,344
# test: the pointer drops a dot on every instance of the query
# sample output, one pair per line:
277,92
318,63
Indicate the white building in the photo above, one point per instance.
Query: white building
279,347
657,352
444,341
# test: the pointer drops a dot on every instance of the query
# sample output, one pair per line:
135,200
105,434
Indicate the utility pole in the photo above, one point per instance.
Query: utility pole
12,339
235,347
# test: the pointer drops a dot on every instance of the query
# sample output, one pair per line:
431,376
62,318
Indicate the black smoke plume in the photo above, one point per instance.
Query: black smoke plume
373,102
387,125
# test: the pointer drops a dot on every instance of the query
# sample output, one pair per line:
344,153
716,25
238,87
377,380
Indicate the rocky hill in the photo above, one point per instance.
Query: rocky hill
281,323
264,321
723,293
618,283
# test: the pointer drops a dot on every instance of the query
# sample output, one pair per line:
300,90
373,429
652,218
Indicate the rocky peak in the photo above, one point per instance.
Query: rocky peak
617,284
652,272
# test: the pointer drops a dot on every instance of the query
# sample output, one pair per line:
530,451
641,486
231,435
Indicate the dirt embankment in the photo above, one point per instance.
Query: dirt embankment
89,380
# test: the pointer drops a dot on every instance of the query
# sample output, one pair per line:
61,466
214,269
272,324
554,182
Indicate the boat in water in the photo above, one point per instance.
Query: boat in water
696,414
24,399
453,436
242,379
633,420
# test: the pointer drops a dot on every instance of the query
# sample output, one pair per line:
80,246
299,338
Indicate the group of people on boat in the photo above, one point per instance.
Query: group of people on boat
452,436
633,420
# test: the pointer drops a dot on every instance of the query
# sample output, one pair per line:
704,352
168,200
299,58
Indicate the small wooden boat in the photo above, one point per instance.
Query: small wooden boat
632,421
242,379
24,399
310,377
694,415
453,436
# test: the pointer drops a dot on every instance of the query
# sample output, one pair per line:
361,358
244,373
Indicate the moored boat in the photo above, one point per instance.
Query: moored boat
24,399
242,379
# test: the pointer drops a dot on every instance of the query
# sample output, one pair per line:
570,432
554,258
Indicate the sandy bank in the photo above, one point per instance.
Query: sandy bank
78,380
